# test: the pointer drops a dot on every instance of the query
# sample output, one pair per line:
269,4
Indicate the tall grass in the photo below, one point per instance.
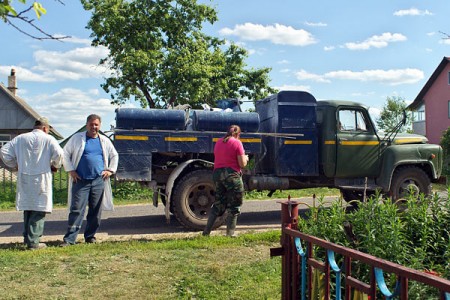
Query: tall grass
416,236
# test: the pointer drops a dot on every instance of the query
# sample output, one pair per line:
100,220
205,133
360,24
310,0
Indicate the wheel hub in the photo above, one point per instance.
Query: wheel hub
410,188
203,200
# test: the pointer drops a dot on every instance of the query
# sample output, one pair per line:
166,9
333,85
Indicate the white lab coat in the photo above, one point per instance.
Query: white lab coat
32,154
73,151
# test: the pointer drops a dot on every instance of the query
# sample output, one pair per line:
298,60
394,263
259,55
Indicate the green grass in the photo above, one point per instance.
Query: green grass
213,267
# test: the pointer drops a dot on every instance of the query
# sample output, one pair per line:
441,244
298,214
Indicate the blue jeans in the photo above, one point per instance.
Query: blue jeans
85,193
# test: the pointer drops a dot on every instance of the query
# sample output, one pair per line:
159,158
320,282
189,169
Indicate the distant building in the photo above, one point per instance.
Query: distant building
431,108
16,116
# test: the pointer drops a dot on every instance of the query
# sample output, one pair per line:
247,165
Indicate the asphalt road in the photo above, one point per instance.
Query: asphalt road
146,222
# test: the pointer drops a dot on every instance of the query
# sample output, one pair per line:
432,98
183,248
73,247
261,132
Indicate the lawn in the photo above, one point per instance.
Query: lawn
213,267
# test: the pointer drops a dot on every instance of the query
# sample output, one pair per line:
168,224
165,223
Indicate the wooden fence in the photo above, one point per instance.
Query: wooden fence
304,276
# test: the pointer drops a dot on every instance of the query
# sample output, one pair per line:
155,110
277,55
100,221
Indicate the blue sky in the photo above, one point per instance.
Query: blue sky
353,50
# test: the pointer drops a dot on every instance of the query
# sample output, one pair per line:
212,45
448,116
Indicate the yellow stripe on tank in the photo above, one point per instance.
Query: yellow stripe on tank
180,139
131,137
304,142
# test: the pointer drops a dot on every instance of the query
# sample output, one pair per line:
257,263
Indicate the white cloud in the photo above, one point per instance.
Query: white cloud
389,77
319,24
328,48
277,34
25,74
377,41
71,65
283,62
412,12
51,66
445,41
68,108
304,75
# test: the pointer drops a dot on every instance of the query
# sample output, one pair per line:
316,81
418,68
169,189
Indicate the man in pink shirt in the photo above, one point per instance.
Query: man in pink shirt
229,158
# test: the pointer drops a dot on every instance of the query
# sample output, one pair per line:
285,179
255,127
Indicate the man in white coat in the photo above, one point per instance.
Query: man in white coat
90,159
34,154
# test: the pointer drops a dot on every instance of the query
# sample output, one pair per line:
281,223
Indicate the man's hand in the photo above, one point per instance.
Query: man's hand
54,169
106,174
74,175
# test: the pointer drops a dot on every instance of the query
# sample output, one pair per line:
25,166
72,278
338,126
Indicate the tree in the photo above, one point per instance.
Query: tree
392,114
160,57
9,15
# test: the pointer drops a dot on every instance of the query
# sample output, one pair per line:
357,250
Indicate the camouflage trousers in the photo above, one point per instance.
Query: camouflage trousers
229,191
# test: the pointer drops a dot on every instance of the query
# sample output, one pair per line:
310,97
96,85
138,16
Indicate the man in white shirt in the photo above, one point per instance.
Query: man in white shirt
34,154
90,159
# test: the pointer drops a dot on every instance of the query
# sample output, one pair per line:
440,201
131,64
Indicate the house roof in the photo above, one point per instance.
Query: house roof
27,108
419,99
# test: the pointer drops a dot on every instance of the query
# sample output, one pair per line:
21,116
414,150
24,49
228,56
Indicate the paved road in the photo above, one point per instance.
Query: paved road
145,222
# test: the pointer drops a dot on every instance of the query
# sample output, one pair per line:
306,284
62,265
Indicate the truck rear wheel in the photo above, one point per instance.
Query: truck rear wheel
409,180
192,200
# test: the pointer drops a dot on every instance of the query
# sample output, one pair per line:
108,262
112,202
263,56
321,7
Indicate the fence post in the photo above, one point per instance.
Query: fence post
290,259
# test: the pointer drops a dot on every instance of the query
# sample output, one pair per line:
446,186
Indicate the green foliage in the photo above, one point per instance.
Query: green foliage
161,57
445,144
416,237
392,114
131,192
284,194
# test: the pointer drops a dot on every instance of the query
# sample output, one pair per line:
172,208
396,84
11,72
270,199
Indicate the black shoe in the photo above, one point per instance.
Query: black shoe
91,240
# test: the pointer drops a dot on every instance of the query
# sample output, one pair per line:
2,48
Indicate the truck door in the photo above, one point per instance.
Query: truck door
358,147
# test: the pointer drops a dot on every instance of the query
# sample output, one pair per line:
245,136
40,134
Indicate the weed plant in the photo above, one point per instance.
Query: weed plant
416,236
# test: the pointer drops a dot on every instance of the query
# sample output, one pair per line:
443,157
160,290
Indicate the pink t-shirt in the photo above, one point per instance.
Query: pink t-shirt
225,154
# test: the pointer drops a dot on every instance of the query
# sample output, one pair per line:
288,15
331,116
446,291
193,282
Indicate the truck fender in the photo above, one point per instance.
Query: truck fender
174,176
395,157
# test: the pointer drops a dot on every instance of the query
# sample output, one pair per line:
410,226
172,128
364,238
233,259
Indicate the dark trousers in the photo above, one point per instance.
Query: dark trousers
33,226
85,193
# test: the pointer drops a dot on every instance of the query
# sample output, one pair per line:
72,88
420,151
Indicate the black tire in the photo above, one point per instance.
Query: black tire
192,199
350,195
407,180
353,197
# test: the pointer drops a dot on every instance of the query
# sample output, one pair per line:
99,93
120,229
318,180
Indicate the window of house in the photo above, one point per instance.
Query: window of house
419,115
449,109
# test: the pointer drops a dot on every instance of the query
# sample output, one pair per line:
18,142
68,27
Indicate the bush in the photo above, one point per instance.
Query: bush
445,144
417,237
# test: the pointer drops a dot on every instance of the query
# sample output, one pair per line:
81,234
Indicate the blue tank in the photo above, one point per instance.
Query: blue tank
138,118
220,120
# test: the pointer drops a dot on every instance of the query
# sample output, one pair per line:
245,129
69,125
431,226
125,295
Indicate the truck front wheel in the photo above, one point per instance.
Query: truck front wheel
192,200
409,180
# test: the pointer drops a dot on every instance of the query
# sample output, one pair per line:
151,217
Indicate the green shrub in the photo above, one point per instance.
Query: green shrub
416,237
445,144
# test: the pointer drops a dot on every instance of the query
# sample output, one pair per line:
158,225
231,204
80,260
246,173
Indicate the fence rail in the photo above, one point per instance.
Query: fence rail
60,184
306,277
